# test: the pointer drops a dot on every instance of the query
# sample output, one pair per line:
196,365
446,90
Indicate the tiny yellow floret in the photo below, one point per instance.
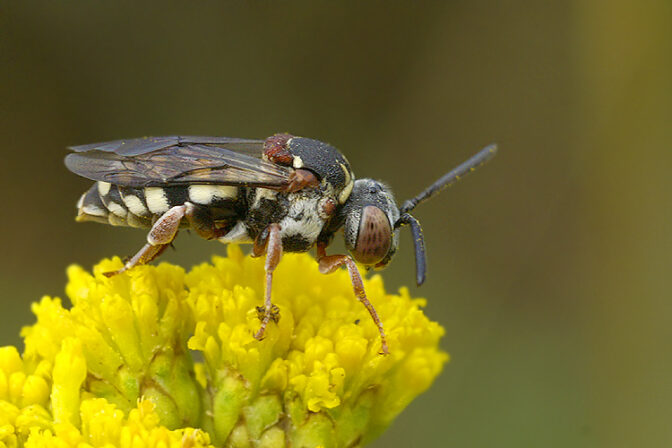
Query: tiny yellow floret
157,357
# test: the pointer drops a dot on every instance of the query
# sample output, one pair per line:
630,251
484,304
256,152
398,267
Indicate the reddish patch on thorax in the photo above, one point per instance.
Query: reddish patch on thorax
301,179
276,151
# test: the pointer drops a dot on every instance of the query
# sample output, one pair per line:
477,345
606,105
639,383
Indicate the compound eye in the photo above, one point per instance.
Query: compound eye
374,237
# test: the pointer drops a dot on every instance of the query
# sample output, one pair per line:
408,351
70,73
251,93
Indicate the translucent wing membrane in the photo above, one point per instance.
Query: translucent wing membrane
161,161
137,146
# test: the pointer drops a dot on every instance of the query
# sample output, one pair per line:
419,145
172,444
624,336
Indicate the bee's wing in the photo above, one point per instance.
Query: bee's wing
162,161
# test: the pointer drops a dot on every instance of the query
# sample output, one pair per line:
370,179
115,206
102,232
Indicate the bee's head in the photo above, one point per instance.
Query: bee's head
371,218
371,225
370,215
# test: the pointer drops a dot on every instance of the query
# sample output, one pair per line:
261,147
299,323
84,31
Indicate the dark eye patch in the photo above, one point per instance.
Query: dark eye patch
375,236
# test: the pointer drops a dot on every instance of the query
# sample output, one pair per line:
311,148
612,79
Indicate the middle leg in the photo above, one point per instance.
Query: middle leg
273,255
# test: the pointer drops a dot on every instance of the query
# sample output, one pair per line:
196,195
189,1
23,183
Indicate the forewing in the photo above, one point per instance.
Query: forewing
163,161
137,146
129,147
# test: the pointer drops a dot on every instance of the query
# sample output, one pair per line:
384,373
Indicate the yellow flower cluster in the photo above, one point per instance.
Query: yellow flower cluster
159,358
44,406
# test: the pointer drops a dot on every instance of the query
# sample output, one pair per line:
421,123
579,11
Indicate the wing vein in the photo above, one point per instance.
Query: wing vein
162,161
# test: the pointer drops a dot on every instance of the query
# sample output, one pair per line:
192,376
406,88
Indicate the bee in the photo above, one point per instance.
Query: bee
281,194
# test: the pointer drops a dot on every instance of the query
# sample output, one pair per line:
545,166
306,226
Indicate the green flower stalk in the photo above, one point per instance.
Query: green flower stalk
159,358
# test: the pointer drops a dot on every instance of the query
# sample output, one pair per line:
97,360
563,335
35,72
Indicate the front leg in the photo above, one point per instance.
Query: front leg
329,263
273,247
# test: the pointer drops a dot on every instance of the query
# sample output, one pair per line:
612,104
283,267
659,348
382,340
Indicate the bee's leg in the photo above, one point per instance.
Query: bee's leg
272,243
329,263
201,221
144,256
160,236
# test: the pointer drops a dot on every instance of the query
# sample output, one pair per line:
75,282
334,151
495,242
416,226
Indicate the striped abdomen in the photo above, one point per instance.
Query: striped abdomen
139,207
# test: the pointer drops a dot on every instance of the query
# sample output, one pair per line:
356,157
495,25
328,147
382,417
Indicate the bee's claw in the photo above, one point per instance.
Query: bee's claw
274,313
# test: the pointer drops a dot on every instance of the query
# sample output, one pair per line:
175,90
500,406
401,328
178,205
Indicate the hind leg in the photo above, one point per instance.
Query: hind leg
163,233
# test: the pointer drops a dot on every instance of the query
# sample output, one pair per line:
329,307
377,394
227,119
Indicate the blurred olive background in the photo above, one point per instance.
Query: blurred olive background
548,267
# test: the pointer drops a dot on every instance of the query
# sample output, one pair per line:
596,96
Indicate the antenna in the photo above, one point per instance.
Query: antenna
419,244
451,177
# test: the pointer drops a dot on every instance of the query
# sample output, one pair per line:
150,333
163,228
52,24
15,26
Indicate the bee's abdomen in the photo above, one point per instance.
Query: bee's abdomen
138,207
91,208
110,204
